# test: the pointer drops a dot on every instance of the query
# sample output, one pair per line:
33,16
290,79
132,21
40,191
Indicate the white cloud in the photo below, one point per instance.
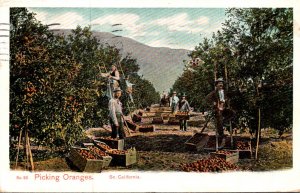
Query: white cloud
124,19
202,20
41,16
68,20
213,27
172,20
154,33
181,22
176,22
128,21
133,27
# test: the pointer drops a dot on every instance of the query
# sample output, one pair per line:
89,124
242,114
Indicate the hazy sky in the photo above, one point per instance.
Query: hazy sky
157,27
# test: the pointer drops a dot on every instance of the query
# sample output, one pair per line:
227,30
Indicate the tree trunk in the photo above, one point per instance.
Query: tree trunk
215,70
228,102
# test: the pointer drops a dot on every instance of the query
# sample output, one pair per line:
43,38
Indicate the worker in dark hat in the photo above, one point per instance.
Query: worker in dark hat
116,115
216,99
220,84
173,102
183,106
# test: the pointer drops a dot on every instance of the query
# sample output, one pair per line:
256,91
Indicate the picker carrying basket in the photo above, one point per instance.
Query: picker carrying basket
183,114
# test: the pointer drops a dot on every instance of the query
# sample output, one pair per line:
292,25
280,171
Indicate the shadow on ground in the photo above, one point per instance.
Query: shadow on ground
163,143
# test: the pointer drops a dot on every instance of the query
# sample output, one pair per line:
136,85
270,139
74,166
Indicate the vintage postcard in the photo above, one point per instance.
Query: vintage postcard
149,96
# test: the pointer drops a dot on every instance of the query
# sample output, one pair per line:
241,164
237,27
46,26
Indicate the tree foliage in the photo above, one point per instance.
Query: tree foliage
254,54
55,88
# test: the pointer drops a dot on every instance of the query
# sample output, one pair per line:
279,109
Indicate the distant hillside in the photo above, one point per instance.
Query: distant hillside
159,65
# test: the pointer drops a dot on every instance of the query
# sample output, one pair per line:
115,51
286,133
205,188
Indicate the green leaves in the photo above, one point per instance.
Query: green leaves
254,46
55,80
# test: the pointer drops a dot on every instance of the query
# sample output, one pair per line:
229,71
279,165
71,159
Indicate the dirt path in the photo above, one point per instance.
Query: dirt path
164,150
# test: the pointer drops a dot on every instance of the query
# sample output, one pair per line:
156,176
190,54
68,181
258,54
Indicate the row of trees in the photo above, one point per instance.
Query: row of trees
55,88
254,54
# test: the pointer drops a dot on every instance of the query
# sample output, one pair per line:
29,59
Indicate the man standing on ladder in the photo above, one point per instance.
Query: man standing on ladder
113,80
114,77
116,115
129,88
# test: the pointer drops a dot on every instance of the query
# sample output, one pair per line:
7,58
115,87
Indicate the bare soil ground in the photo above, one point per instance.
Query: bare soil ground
164,150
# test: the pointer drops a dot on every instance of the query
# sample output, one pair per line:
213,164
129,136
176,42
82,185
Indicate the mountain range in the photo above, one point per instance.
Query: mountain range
160,65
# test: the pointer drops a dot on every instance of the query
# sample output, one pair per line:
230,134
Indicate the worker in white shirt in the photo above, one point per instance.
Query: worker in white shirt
116,115
173,102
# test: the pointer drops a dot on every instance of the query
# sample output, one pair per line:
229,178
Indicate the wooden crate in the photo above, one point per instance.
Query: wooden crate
182,116
83,164
146,128
196,142
154,109
141,113
233,157
129,158
173,121
136,118
157,120
113,143
147,120
211,143
246,151
106,159
99,144
164,108
244,154
133,126
148,115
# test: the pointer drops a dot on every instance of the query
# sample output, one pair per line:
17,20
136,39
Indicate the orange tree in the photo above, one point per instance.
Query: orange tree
42,74
55,88
144,93
197,80
30,72
254,53
262,44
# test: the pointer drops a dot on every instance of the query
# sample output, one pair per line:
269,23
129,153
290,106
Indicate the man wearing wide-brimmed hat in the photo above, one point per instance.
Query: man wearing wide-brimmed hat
217,99
173,101
115,115
183,106
220,84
